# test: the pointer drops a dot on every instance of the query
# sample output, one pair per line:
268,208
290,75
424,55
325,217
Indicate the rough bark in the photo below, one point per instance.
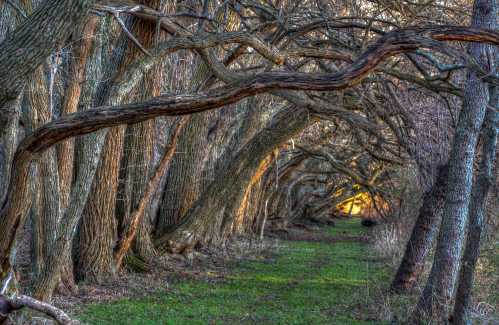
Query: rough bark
212,215
136,217
58,262
183,181
46,208
477,211
139,142
99,226
82,36
80,123
422,235
97,230
29,46
9,130
89,153
436,299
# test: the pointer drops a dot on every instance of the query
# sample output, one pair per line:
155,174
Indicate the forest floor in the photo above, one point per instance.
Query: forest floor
331,277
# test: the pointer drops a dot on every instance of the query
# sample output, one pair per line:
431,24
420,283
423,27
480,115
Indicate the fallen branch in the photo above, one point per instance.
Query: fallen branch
9,305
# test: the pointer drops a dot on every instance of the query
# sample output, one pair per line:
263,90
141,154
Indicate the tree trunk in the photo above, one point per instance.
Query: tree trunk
9,130
57,262
83,36
99,225
423,232
97,230
30,45
132,227
213,214
10,113
139,145
183,183
88,153
477,211
436,299
47,207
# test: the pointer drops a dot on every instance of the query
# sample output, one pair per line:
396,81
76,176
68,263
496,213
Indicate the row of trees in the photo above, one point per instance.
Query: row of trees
130,130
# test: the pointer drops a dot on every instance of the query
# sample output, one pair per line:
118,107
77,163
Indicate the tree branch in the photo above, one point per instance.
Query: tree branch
9,305
391,44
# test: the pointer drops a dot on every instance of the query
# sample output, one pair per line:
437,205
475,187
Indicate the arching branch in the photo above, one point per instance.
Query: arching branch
391,44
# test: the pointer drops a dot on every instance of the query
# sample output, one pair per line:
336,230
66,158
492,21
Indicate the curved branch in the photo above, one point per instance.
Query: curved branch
391,44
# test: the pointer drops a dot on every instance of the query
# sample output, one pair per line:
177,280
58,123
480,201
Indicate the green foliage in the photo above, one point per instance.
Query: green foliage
306,283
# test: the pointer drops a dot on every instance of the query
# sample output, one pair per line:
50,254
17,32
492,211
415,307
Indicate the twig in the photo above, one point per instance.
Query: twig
129,34
17,8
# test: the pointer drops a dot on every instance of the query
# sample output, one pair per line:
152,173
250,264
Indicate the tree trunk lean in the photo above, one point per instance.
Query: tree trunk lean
477,212
212,215
423,233
436,300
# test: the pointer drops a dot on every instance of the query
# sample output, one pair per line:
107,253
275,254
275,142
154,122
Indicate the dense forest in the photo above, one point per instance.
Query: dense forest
177,139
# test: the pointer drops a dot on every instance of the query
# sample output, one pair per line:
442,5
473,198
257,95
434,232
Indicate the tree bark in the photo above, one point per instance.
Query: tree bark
436,299
129,233
393,43
58,262
46,208
477,211
212,216
139,143
106,203
30,44
422,235
83,36
183,182
89,153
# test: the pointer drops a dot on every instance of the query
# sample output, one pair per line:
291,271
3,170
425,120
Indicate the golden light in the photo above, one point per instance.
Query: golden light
355,205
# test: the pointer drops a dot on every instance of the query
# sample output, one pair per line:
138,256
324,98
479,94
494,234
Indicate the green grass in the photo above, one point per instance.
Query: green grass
306,283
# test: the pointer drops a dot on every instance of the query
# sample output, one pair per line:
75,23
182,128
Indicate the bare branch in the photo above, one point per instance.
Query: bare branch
129,34
9,305
391,44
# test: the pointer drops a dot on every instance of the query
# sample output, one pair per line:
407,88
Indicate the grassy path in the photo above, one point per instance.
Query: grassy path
306,283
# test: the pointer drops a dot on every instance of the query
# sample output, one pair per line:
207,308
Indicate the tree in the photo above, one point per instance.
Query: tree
242,51
436,299
476,218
